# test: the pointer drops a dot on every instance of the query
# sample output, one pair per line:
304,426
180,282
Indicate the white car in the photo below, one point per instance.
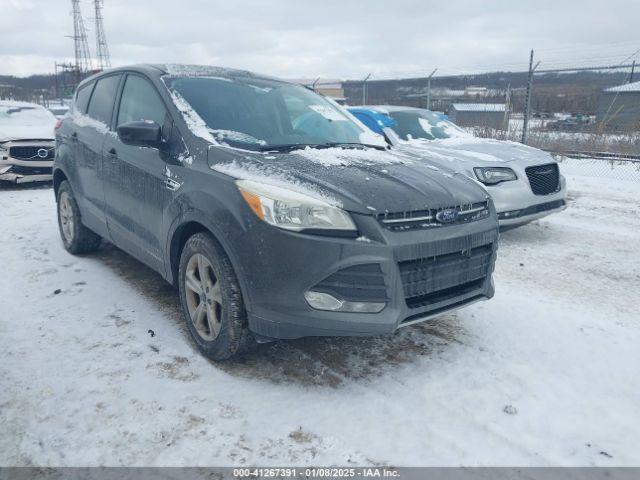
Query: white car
524,182
27,147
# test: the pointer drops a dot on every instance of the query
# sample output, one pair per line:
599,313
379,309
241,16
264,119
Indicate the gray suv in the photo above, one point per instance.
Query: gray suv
273,212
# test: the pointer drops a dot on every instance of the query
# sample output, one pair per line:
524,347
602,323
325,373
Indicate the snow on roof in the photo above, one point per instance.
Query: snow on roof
479,107
628,87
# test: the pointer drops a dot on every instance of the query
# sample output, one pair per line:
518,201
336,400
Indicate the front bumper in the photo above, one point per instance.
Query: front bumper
20,170
516,203
276,280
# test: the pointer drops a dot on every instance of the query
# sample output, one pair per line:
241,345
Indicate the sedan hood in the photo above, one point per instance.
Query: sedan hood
26,132
481,152
366,181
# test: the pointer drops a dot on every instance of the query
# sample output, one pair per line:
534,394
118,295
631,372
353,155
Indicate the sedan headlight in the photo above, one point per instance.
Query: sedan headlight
494,175
295,211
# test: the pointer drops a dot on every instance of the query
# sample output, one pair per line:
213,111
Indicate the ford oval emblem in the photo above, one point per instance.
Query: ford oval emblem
447,215
43,152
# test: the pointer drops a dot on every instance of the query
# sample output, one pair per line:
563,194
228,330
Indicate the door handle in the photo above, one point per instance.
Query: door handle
171,184
74,137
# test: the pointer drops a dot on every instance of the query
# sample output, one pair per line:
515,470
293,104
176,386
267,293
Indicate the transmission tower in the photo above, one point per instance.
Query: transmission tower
83,57
102,49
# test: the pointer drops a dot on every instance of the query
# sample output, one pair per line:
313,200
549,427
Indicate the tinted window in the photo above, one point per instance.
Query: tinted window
82,98
140,102
101,104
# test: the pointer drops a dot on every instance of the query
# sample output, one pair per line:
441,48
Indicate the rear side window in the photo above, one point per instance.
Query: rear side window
102,99
140,101
82,98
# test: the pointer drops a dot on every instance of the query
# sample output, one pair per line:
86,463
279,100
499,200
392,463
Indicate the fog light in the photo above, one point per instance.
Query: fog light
511,214
324,301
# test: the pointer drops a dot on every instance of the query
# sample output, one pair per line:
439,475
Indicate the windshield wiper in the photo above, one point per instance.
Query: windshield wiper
351,145
288,147
300,146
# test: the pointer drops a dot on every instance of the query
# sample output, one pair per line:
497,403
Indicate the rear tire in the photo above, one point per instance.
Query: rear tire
211,299
76,238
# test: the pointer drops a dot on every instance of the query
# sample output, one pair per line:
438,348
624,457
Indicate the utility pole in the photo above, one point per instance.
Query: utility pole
83,57
527,102
364,89
429,88
102,49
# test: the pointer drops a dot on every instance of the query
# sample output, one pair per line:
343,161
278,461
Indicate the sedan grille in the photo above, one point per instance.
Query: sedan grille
427,281
37,153
544,179
418,219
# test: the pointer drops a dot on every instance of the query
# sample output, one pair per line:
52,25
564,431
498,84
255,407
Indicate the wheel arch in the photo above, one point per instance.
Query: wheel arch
58,177
184,229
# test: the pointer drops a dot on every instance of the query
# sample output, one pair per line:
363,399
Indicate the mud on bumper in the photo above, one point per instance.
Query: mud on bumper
418,275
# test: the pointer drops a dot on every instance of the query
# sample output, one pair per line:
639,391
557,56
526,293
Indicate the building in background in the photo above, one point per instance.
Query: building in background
491,115
329,87
619,108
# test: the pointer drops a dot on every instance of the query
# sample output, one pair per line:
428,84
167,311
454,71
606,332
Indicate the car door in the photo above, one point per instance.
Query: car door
136,190
89,132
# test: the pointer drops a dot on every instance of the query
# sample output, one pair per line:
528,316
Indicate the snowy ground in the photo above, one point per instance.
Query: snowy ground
546,373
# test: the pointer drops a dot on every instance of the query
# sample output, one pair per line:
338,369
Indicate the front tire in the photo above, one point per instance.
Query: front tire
76,238
211,299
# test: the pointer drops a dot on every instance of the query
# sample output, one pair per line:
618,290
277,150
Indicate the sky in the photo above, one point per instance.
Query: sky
344,39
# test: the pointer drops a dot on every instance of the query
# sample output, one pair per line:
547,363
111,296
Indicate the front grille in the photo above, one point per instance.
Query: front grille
358,283
428,218
20,170
430,280
544,179
31,152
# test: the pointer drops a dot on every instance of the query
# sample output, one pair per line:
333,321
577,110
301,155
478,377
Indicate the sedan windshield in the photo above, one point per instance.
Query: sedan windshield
424,124
265,115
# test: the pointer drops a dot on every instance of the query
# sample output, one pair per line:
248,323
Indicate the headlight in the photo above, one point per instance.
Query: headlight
295,211
494,175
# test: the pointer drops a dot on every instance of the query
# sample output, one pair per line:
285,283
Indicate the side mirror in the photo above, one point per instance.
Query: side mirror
140,133
390,136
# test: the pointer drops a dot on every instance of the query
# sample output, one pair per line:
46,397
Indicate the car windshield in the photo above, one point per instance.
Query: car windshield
264,115
25,115
424,124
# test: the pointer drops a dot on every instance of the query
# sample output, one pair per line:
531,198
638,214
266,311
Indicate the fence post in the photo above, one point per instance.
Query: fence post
364,89
527,101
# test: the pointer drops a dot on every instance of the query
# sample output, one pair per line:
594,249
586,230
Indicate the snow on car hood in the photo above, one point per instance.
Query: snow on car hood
468,152
367,181
26,132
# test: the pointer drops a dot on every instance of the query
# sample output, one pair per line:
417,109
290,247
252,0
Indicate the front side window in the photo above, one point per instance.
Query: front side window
413,124
261,114
102,99
140,102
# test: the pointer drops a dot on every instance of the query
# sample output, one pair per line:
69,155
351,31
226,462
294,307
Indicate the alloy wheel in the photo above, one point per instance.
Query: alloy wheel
66,217
204,297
